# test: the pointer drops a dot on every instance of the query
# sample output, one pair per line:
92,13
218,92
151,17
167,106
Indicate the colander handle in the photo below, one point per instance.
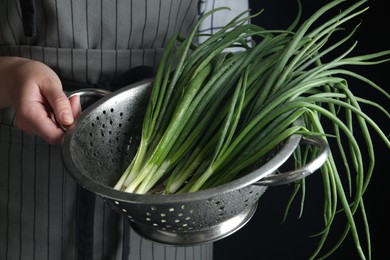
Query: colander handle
89,92
304,171
86,92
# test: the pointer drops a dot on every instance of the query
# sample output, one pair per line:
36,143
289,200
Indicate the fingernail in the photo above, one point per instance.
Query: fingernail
66,117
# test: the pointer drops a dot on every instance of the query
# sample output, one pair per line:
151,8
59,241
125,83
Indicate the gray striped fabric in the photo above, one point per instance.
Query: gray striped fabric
86,41
89,41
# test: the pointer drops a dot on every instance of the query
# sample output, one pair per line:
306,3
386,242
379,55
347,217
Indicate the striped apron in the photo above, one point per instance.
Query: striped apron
44,214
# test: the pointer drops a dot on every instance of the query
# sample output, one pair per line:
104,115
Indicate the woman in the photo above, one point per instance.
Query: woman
48,47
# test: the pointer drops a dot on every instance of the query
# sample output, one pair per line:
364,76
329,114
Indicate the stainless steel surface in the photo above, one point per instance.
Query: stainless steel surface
89,92
304,171
101,143
213,233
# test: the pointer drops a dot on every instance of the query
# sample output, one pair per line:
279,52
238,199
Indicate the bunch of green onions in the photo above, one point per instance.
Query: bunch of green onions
214,112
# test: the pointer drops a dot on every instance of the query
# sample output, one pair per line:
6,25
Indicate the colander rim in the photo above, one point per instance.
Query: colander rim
105,191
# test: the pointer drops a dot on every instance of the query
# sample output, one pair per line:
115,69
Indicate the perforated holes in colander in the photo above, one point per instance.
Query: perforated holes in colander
172,219
124,210
107,129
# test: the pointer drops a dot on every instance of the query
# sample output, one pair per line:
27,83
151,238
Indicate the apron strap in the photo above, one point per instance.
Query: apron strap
28,16
85,224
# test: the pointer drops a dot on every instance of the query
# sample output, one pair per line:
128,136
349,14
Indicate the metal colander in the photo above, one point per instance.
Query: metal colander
100,144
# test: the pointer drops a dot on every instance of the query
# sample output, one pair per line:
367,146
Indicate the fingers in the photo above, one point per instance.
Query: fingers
37,119
41,106
75,105
44,110
60,104
64,112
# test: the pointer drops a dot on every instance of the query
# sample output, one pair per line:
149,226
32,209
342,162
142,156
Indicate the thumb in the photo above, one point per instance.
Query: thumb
59,103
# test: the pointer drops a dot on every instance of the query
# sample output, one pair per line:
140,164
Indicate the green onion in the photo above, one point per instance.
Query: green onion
214,113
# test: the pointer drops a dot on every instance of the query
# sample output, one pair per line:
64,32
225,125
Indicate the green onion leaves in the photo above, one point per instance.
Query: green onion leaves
215,113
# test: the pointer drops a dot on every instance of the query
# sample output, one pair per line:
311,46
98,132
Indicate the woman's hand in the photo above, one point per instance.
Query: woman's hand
37,95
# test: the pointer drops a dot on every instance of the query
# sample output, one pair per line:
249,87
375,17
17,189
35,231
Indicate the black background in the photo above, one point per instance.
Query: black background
264,236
